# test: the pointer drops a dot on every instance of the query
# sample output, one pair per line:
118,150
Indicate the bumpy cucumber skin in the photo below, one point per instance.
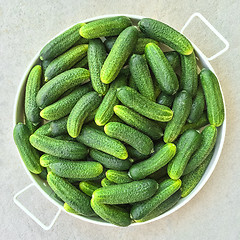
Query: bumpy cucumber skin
209,137
99,140
80,111
59,148
122,49
58,127
105,182
65,61
173,58
77,200
129,135
118,176
110,161
181,108
53,89
141,76
165,190
29,155
32,87
44,130
145,125
69,209
65,137
105,27
162,69
136,155
88,187
96,57
188,143
105,110
132,84
158,160
163,33
130,192
132,99
165,99
213,96
61,43
46,160
83,63
63,106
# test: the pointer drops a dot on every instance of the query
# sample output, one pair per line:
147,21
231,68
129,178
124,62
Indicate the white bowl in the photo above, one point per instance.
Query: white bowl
47,191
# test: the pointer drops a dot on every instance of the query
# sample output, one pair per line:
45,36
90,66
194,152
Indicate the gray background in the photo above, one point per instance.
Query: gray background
26,26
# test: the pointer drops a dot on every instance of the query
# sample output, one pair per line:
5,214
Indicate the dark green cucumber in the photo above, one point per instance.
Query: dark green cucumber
58,127
65,137
173,58
109,42
159,174
85,105
162,69
129,135
187,144
45,64
105,27
43,174
209,137
109,161
63,106
135,191
29,155
181,108
213,96
69,209
59,148
90,117
44,130
158,146
31,126
81,41
145,125
96,57
65,61
157,89
165,190
77,180
88,187
136,155
132,99
99,140
118,176
77,200
165,99
83,63
105,182
158,160
161,32
61,43
122,49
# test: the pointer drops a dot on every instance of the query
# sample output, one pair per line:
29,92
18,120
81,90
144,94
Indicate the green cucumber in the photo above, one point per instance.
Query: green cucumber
105,182
109,42
157,89
53,89
29,155
105,27
213,96
46,160
58,127
158,146
45,64
161,32
31,126
158,160
118,176
165,99
132,99
136,155
129,135
44,130
165,190
88,187
91,116
69,209
122,49
159,174
187,144
83,63
81,41
181,107
132,84
173,58
80,111
99,140
77,180
115,118
43,174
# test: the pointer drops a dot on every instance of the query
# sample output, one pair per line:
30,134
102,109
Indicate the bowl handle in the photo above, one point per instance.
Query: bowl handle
214,30
33,217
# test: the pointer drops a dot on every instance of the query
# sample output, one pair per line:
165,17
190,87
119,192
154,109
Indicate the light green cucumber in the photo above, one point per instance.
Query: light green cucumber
69,209
118,176
105,182
46,159
88,187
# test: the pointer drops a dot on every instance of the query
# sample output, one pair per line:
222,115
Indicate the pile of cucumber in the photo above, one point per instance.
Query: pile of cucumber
117,127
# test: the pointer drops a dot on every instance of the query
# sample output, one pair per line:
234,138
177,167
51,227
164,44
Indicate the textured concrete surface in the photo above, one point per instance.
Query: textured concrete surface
24,28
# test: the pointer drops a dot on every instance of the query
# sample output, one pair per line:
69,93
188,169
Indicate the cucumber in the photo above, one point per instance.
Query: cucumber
61,43
53,89
105,182
32,87
136,155
122,49
29,155
59,127
31,126
88,187
59,148
134,100
96,57
209,137
65,61
83,63
173,58
43,174
213,96
135,191
141,76
77,200
161,32
77,180
90,117
109,161
159,174
46,159
165,99
158,160
105,110
69,209
115,118
162,69
45,64
166,189
145,125
105,27
181,107
63,106
44,130
187,144
99,140
81,41
158,146
118,176
131,136
109,42
80,111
